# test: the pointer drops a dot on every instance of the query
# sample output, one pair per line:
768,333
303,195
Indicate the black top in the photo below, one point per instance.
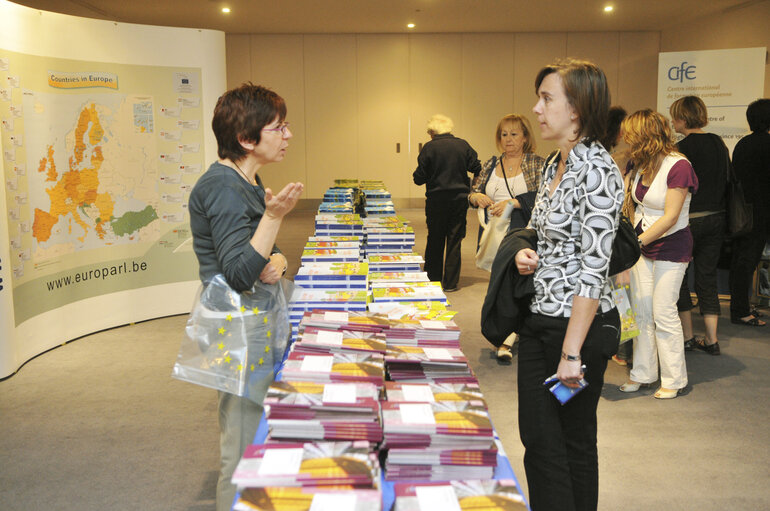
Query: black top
708,156
443,166
751,161
225,211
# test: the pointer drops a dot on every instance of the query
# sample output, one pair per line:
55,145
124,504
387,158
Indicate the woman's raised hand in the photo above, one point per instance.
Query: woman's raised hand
277,206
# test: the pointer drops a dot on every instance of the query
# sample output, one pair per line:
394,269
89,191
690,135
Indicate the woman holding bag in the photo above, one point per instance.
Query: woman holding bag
507,185
234,222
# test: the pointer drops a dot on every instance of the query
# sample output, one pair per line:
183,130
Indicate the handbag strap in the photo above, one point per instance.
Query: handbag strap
505,178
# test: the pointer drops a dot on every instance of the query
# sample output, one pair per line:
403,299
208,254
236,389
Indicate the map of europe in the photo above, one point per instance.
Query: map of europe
96,172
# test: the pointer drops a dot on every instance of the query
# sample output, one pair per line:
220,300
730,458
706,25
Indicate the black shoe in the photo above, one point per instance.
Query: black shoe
711,349
689,344
450,289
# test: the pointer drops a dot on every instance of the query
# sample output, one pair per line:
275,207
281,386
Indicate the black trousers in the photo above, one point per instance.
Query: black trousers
446,221
707,235
747,251
561,459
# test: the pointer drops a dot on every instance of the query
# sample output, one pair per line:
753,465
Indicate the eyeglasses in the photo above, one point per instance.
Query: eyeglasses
283,128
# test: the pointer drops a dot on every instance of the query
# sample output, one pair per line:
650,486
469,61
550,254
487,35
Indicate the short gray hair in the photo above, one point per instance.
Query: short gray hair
440,124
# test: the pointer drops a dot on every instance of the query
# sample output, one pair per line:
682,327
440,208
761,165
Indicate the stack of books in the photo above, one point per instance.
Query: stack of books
330,255
323,411
398,276
432,392
336,207
343,320
320,340
303,300
489,495
438,441
332,275
412,310
436,333
334,367
315,498
395,262
408,291
308,464
328,224
418,364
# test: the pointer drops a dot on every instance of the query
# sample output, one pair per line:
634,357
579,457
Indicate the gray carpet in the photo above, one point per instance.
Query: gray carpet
99,424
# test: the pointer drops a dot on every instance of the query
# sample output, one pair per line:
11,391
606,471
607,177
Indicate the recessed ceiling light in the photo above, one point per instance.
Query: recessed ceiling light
608,8
410,25
226,10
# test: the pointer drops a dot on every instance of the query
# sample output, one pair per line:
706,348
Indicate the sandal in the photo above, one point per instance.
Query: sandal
619,361
662,393
504,353
632,386
755,312
711,349
754,321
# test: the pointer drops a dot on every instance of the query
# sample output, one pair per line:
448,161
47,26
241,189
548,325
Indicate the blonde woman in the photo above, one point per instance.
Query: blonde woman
511,178
661,185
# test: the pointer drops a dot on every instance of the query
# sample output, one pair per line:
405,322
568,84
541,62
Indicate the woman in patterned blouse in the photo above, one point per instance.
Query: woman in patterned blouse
573,327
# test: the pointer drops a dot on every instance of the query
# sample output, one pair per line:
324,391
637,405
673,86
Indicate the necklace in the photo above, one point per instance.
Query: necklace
510,169
244,175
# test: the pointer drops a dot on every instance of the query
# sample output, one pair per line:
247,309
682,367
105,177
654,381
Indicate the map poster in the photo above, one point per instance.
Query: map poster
726,80
98,163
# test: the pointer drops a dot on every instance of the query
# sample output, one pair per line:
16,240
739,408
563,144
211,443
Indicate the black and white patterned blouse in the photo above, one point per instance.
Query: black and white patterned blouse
575,228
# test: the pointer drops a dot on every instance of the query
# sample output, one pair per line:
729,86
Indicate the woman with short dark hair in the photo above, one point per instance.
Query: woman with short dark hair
573,327
234,222
710,159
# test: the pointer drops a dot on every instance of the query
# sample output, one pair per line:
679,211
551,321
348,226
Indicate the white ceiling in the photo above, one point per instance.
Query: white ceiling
391,16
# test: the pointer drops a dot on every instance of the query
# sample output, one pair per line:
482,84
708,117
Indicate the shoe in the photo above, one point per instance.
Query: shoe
631,386
619,361
689,344
662,393
755,312
754,321
504,353
450,289
711,349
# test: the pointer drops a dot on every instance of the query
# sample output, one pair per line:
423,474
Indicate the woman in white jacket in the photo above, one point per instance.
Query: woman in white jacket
658,195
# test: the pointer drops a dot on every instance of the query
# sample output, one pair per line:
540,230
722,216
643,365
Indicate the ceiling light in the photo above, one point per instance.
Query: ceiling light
226,10
608,8
410,25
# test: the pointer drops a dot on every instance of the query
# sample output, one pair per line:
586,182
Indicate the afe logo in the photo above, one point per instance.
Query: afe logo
681,72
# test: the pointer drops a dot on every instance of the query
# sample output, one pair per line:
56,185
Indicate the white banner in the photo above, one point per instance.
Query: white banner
726,80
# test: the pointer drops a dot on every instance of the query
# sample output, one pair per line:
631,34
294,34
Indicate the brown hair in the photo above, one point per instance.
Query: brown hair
529,145
650,139
586,89
241,114
691,110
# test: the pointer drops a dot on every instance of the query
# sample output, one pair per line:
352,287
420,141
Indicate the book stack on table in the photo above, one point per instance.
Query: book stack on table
438,441
311,475
388,235
410,261
321,340
330,255
462,495
348,275
333,299
408,291
323,411
334,367
334,224
427,364
426,333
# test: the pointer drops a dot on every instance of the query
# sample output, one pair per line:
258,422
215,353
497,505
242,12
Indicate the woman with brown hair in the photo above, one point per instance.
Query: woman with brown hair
573,326
661,185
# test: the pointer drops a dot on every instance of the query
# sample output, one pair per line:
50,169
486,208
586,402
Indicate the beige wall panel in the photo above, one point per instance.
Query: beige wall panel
238,57
532,52
748,27
601,48
487,88
276,62
638,71
331,108
435,86
383,111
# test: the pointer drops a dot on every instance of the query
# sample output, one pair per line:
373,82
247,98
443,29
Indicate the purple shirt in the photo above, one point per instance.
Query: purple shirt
676,247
